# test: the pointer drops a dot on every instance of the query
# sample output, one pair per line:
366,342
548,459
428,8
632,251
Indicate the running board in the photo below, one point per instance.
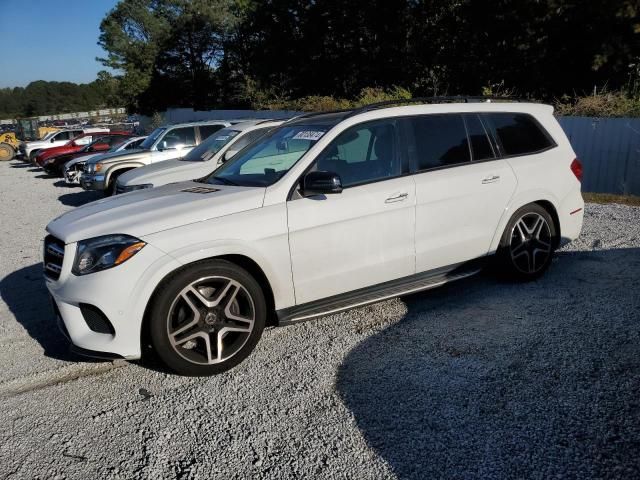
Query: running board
378,293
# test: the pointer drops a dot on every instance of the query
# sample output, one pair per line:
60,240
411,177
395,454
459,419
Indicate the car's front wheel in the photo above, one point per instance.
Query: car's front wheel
527,244
207,319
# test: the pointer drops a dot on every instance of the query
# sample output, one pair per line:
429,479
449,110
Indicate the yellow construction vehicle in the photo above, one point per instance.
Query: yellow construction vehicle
28,129
8,145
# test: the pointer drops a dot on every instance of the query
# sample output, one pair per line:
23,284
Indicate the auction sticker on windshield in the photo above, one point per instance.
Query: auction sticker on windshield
308,135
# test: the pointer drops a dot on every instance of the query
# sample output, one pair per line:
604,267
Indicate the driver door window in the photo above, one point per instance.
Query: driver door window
363,154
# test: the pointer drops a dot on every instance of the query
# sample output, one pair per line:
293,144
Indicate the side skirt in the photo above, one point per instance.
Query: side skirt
380,292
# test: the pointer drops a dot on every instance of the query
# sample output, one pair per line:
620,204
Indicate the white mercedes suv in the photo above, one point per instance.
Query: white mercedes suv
325,213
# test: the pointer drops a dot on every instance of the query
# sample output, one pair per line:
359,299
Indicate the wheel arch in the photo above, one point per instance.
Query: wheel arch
243,261
540,197
119,170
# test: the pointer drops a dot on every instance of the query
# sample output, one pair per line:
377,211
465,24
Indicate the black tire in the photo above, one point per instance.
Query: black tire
7,152
527,244
173,324
111,188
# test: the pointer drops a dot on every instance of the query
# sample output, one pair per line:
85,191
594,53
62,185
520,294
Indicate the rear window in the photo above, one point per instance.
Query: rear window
440,140
519,133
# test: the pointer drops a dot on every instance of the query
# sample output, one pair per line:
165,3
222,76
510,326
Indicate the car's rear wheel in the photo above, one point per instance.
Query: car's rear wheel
207,319
527,244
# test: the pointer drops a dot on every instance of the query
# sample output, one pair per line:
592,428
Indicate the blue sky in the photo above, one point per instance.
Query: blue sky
50,40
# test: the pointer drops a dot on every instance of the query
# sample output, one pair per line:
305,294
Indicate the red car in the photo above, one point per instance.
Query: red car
54,165
72,146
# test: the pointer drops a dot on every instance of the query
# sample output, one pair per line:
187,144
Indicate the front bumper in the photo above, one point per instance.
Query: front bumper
91,181
120,293
72,177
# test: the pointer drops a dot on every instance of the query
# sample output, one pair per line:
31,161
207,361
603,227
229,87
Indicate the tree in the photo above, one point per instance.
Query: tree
168,50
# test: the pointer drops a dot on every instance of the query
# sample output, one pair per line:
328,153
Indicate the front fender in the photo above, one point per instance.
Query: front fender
111,170
279,281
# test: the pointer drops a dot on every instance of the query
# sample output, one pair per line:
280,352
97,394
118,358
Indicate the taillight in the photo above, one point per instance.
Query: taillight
576,168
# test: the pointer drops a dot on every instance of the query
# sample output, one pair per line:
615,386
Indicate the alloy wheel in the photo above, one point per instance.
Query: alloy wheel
530,245
210,320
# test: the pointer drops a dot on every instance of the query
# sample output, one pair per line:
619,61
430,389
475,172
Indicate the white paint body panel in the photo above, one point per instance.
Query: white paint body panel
457,214
352,240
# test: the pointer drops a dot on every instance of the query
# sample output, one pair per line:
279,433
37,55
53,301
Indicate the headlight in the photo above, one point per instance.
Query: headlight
131,188
104,252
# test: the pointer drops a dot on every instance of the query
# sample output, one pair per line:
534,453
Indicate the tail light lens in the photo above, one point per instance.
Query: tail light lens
576,168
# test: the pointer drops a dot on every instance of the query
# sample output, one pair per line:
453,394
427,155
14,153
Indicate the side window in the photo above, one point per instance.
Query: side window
363,154
134,145
519,133
207,130
480,144
84,140
62,136
185,137
248,138
440,140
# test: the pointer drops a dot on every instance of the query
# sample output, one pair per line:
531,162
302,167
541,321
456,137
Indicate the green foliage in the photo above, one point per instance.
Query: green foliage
605,104
168,50
46,98
325,103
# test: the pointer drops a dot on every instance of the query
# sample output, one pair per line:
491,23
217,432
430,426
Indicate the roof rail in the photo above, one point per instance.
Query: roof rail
314,114
434,100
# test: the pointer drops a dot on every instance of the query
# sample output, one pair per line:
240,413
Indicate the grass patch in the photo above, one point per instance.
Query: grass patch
611,198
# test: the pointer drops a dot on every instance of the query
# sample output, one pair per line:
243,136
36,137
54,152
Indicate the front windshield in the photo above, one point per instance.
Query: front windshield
49,135
267,160
151,139
212,145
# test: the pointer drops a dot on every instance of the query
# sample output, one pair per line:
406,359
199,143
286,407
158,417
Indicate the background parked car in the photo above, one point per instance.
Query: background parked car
29,149
72,146
164,143
73,169
200,161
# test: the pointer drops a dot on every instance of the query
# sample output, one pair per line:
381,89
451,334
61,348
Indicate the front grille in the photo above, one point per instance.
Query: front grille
22,147
96,320
53,257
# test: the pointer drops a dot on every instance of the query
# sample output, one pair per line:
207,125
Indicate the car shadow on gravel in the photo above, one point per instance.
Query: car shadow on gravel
79,198
26,295
486,379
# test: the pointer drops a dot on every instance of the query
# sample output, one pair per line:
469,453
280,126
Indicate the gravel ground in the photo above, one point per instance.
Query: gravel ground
478,379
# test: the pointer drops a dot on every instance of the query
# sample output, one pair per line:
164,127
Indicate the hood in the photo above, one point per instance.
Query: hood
144,212
119,156
49,152
82,157
168,171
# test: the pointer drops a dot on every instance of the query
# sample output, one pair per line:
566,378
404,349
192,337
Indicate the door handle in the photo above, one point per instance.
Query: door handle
398,197
491,179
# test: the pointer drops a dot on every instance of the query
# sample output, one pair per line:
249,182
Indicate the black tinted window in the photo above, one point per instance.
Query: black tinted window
207,130
440,140
480,145
519,133
362,154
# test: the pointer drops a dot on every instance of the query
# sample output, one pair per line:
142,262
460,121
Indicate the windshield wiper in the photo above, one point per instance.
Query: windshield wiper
225,181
